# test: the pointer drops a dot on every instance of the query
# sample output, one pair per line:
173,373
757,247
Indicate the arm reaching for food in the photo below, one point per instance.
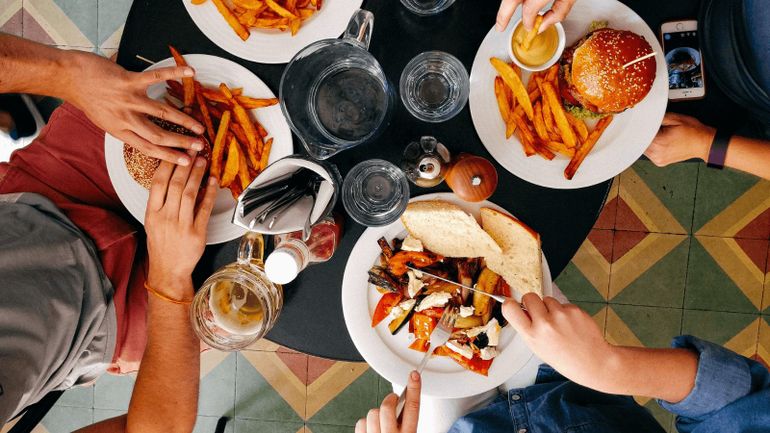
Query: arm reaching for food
165,397
114,99
552,329
384,420
530,10
683,137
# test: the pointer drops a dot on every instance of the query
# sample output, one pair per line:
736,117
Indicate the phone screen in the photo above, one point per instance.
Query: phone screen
684,60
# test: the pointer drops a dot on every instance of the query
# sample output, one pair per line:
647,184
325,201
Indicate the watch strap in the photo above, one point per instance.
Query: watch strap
718,152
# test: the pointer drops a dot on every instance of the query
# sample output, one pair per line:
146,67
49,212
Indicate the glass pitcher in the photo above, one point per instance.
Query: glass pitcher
334,92
237,305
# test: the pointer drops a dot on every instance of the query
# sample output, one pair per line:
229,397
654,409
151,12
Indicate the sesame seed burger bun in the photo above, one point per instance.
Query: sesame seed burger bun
595,75
142,167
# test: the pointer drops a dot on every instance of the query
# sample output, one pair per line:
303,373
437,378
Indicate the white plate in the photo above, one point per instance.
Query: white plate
390,355
273,46
210,71
624,141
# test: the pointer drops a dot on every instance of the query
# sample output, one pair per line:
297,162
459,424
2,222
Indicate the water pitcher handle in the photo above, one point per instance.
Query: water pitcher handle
360,28
252,248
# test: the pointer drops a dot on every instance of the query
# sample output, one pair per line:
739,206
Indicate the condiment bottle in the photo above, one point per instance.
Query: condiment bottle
291,255
425,162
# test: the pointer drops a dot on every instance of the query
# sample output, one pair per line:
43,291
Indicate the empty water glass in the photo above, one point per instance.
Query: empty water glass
434,86
426,7
375,193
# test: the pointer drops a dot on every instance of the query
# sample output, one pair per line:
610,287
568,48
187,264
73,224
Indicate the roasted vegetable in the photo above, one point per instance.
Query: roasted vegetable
423,325
468,322
387,251
483,305
396,324
386,303
466,269
380,278
397,265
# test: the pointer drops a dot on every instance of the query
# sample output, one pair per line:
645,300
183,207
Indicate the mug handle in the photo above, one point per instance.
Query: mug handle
251,249
360,28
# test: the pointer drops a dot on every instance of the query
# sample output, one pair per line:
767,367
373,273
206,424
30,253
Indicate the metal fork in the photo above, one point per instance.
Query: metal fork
438,338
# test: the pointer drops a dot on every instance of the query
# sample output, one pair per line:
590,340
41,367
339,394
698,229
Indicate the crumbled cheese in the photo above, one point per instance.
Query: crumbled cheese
437,299
466,311
464,350
492,329
415,284
401,308
411,244
488,353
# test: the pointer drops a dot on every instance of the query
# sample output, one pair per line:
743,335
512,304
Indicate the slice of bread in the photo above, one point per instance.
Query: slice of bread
520,262
446,229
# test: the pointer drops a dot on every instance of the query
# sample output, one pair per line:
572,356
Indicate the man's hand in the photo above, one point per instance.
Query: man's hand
563,336
680,138
530,9
383,420
176,227
116,100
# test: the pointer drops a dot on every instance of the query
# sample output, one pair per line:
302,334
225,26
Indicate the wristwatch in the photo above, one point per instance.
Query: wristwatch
718,152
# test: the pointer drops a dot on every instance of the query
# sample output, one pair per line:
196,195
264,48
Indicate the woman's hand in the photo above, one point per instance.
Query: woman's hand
680,138
383,420
176,227
116,101
530,10
563,336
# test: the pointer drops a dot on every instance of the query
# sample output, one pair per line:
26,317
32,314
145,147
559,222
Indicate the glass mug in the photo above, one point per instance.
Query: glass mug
237,305
335,94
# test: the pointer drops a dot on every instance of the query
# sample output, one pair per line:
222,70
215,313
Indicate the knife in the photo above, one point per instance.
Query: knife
498,298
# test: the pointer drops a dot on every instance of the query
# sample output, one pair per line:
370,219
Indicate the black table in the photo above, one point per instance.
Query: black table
312,320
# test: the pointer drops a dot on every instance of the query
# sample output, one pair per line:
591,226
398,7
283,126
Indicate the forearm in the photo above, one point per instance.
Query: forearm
749,155
165,397
30,67
665,374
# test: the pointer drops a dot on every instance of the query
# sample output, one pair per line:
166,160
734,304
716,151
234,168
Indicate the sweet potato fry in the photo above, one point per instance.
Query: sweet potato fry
219,145
514,82
525,136
248,4
301,4
539,123
204,108
251,156
232,164
577,125
552,74
543,150
526,43
532,83
250,103
242,117
188,94
198,2
235,189
265,154
585,148
232,20
243,169
548,117
565,130
261,129
305,13
280,10
502,105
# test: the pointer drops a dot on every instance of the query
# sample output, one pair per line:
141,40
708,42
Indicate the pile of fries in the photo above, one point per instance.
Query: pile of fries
535,110
241,148
265,14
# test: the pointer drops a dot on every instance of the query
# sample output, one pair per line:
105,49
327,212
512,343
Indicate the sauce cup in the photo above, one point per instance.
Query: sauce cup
562,41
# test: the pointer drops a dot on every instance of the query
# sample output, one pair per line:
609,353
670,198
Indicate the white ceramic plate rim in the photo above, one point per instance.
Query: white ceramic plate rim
442,377
624,141
273,46
210,71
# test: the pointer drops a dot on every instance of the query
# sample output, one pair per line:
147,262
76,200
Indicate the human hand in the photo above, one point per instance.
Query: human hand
116,101
563,336
383,420
530,10
680,138
176,227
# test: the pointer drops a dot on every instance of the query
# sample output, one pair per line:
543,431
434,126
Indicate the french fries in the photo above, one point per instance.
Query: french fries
238,152
526,43
540,122
187,82
281,15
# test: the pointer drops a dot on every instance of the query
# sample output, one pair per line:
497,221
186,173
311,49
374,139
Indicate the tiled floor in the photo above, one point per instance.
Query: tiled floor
682,249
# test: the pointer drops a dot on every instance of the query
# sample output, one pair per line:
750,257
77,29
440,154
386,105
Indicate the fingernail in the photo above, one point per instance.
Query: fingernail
200,162
188,72
415,376
198,129
192,153
183,160
197,145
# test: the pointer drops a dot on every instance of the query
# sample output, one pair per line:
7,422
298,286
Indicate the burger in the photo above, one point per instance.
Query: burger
594,81
142,167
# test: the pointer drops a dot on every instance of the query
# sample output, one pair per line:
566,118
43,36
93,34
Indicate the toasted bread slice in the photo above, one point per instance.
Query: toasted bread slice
446,229
520,263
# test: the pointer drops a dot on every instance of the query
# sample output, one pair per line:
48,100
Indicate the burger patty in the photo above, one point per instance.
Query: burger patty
142,167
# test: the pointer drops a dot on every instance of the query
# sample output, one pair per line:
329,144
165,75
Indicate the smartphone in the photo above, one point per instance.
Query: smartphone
684,60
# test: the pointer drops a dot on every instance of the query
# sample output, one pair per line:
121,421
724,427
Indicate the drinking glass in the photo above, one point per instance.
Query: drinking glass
237,305
335,94
434,86
427,7
375,193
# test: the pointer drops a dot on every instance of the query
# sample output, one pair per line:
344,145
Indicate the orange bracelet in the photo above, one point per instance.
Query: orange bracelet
164,297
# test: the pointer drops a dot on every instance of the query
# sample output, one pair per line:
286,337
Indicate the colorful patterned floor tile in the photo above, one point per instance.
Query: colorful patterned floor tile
61,22
270,386
217,388
607,216
11,17
112,15
648,269
736,331
587,276
597,310
732,204
253,426
113,392
80,396
208,424
763,344
641,326
654,199
342,393
726,274
62,419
